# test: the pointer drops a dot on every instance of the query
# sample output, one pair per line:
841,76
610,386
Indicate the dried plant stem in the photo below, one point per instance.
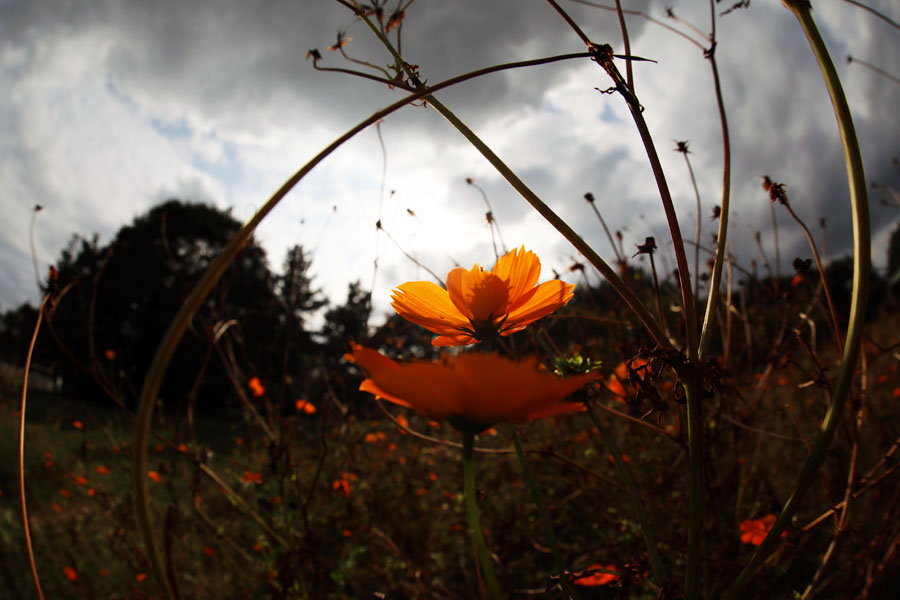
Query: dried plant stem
699,230
880,71
832,313
484,558
722,235
861,270
545,518
881,16
629,72
684,273
26,528
634,497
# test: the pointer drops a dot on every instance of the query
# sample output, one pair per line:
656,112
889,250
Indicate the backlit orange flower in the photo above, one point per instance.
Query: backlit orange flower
754,531
473,390
479,305
154,476
597,579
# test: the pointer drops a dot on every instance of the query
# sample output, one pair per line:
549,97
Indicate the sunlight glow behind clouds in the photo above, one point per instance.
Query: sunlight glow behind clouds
122,106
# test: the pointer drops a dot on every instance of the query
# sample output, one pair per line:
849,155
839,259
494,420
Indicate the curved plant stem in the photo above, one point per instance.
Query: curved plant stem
202,289
545,518
722,235
26,528
861,268
484,558
634,497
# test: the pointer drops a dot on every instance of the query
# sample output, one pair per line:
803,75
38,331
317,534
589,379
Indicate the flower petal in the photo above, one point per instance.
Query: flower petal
480,295
459,339
428,305
481,389
520,269
539,302
429,388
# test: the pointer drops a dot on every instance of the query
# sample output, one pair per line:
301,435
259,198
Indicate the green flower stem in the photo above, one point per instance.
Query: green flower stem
487,568
634,497
862,264
545,518
691,385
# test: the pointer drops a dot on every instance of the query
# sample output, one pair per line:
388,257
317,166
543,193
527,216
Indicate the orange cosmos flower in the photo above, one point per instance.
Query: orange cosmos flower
479,305
754,531
597,579
472,390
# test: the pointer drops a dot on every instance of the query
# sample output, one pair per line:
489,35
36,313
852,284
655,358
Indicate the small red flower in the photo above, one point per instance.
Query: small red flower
256,387
754,531
70,573
251,477
342,487
305,407
597,579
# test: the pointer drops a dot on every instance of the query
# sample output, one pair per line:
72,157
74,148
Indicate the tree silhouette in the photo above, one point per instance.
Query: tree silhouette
123,297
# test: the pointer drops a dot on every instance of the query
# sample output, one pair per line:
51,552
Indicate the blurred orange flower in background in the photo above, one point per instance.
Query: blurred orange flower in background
70,573
154,476
251,477
597,579
471,390
305,407
256,387
480,305
754,531
342,487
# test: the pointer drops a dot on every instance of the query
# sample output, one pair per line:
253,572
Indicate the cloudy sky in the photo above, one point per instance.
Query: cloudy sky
110,107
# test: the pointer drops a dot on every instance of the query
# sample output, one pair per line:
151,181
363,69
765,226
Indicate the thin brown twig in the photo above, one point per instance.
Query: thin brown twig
29,549
871,10
643,16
